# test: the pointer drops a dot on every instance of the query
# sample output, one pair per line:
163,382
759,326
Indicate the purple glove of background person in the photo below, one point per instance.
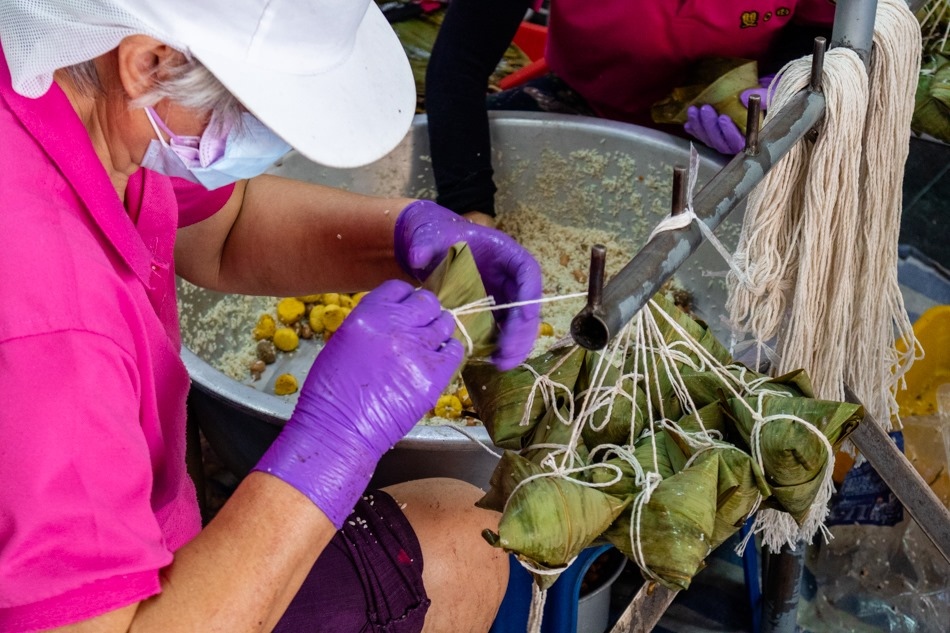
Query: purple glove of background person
377,376
719,131
424,233
763,92
713,129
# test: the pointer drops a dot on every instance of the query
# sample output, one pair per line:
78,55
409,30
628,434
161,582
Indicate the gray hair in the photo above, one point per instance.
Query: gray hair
188,84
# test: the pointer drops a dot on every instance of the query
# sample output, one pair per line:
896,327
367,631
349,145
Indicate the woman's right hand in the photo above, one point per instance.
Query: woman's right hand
377,376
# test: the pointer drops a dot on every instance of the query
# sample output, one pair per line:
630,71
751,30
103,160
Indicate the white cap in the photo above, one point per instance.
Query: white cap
329,76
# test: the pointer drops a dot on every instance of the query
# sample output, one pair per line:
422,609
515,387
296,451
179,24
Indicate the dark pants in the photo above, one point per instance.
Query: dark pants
368,579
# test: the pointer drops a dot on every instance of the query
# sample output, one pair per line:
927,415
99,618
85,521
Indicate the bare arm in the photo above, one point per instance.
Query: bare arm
240,573
284,237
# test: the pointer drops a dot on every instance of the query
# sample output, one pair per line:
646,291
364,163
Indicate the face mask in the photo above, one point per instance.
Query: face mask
220,156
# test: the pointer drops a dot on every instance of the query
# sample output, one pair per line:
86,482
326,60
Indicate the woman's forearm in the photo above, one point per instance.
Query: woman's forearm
239,574
286,237
243,569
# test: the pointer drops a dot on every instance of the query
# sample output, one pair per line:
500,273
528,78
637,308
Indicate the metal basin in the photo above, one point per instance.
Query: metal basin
580,171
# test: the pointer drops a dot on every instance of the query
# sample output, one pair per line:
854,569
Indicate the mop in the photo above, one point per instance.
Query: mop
818,247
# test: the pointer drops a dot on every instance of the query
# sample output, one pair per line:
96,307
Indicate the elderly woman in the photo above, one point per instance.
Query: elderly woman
134,135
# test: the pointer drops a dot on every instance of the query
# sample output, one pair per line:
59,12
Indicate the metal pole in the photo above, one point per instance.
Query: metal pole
645,610
854,26
903,479
781,590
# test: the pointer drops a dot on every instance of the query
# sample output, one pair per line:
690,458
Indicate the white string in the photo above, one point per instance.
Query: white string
548,387
536,611
688,215
653,480
487,304
464,431
470,308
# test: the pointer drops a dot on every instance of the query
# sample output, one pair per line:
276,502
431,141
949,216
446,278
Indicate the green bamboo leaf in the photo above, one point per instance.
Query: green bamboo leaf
793,457
715,81
670,458
510,470
626,485
708,418
739,487
676,526
500,398
551,430
457,282
550,520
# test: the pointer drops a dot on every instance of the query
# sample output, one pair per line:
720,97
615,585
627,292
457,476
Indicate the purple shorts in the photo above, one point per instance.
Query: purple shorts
368,579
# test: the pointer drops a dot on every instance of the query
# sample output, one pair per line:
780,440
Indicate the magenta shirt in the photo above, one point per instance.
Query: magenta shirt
621,55
94,495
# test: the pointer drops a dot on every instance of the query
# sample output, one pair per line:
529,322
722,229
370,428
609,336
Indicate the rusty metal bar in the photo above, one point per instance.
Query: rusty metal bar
595,280
781,590
854,26
903,479
678,204
817,64
752,125
645,610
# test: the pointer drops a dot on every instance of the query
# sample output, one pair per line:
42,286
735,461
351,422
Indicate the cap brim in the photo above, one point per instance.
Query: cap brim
347,116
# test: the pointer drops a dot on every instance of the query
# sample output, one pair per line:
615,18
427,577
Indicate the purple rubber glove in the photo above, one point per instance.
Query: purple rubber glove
718,131
762,91
713,129
377,376
424,233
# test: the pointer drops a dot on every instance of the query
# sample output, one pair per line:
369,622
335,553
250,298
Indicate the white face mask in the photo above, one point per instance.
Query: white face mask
220,156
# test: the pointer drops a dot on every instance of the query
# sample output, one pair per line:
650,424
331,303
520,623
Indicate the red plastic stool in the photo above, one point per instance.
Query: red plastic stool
531,39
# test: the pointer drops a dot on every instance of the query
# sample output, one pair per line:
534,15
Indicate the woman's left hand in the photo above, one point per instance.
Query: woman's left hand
424,233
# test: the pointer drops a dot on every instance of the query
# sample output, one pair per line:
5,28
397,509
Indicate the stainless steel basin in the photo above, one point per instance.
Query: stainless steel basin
580,170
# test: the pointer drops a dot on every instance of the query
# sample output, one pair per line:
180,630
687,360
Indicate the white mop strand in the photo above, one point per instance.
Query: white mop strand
819,239
825,271
879,312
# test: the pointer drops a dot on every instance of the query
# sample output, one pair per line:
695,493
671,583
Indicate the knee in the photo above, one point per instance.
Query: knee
465,577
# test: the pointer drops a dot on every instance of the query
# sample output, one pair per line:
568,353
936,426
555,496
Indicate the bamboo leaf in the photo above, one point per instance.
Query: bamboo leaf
501,398
715,81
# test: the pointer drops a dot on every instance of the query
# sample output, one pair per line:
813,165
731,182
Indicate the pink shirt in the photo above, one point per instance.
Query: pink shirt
621,55
94,495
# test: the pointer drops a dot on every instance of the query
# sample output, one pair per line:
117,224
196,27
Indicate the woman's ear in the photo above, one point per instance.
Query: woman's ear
140,59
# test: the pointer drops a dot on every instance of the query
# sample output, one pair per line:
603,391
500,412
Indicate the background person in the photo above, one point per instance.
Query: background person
612,59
